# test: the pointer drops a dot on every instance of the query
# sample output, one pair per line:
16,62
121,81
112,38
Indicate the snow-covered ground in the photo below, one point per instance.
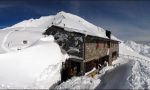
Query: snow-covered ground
83,82
25,68
32,61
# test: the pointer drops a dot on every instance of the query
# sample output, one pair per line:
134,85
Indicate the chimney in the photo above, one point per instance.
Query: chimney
108,34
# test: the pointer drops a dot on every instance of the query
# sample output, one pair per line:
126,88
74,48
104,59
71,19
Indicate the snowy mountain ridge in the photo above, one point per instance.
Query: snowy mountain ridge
47,21
56,19
140,48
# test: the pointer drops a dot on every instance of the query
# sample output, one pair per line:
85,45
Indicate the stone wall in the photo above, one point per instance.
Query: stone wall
95,50
70,42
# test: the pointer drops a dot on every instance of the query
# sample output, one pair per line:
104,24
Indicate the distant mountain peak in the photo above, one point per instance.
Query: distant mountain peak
139,48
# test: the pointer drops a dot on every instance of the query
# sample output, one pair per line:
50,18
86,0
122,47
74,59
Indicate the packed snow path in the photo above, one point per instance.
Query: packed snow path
117,78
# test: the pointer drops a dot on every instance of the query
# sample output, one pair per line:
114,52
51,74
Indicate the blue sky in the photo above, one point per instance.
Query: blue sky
127,19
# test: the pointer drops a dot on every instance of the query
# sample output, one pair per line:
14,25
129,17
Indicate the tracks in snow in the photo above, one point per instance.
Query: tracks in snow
139,78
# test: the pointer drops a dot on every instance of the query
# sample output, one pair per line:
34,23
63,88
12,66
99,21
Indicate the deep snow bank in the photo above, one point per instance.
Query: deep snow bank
25,68
82,82
140,76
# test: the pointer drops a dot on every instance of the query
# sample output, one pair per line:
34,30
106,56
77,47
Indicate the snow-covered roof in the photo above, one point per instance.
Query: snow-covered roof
75,23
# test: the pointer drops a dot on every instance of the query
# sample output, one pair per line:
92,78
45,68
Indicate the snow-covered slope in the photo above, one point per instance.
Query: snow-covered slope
139,48
127,51
22,68
44,21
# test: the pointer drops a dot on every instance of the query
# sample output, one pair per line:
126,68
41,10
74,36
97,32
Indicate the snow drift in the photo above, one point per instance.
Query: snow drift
22,68
82,82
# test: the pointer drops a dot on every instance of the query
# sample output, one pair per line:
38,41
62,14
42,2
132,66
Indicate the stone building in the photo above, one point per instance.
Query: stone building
86,51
